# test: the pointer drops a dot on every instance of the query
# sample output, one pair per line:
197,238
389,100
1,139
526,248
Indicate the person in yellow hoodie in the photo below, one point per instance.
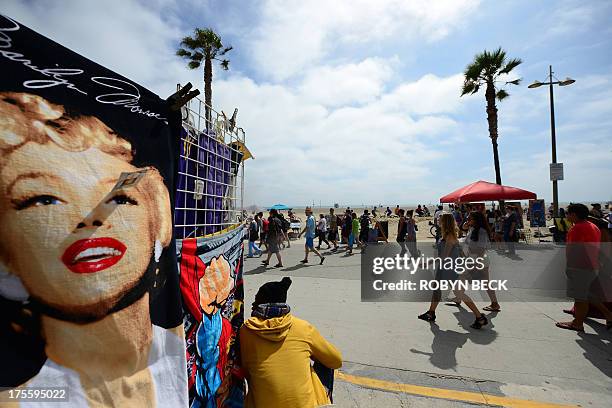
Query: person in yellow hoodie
278,350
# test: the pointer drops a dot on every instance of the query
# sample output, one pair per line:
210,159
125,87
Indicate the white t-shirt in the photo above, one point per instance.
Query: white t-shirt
167,366
322,225
483,242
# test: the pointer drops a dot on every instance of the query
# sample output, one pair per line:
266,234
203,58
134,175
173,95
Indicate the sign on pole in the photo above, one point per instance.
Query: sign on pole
556,171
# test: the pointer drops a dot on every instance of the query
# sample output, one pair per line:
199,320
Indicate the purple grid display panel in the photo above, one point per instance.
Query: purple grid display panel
209,162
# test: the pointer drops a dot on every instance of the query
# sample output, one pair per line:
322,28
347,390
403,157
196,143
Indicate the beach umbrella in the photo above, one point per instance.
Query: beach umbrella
279,207
485,191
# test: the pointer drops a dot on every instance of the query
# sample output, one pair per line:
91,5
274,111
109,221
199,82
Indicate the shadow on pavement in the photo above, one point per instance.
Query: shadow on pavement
298,266
594,345
256,271
446,342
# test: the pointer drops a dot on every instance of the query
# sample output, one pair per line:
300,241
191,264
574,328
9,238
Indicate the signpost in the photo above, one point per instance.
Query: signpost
556,171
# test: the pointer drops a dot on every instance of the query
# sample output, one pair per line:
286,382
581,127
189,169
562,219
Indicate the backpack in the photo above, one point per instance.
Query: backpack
254,230
274,227
285,224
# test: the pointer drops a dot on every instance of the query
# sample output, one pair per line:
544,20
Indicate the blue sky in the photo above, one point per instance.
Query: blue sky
358,101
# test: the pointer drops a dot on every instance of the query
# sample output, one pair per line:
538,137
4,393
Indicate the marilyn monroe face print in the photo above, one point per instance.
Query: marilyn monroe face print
73,242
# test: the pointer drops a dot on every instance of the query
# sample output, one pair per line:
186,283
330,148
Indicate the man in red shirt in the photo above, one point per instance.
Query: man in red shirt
582,253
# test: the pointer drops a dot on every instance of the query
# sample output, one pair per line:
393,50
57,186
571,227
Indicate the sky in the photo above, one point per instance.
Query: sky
358,102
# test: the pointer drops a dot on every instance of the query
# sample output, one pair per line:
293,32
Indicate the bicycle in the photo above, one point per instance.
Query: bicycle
433,230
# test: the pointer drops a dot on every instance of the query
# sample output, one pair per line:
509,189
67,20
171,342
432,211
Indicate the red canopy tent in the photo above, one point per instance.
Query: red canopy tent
485,191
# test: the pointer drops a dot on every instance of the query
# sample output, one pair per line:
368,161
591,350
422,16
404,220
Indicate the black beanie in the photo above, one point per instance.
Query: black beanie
273,292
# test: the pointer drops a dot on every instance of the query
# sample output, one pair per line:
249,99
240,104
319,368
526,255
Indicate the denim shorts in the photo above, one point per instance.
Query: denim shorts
310,242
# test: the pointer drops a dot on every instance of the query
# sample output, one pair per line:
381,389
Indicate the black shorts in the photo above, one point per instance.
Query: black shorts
332,235
363,236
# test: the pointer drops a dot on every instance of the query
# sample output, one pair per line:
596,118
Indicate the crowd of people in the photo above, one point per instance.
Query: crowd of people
275,342
272,233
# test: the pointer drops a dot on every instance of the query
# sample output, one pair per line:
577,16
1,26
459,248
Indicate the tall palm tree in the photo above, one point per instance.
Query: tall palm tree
205,45
486,68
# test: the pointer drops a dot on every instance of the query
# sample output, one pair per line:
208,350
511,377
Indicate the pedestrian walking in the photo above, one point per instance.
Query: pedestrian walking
510,227
354,234
310,232
364,230
347,226
582,254
477,243
284,235
401,232
411,236
273,238
449,251
322,231
253,237
264,230
436,220
498,234
332,230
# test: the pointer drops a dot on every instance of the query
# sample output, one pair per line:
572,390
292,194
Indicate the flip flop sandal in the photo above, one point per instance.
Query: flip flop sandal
569,326
278,265
569,311
491,309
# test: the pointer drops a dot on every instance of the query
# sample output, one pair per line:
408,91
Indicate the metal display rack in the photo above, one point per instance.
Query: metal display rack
210,188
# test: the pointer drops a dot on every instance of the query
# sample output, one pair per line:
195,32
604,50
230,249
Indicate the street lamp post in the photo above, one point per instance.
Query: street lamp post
550,83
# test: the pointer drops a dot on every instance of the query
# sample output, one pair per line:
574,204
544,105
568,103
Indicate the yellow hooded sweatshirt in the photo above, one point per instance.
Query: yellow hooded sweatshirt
276,355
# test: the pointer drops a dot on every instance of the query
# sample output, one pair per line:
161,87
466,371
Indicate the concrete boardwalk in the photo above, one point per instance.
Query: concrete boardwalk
392,359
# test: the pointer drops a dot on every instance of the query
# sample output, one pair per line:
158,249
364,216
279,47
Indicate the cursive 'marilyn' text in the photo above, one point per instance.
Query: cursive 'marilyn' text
55,75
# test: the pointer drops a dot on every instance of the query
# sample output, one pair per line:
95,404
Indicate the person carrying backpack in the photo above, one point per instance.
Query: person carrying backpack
275,230
285,227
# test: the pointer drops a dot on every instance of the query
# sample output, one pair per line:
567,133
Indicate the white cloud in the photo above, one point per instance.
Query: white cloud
347,84
428,95
306,151
294,35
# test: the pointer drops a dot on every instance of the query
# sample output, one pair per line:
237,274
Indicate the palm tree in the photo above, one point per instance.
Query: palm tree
486,68
205,45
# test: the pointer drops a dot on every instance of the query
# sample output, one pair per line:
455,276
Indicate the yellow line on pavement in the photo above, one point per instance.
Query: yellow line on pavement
464,396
